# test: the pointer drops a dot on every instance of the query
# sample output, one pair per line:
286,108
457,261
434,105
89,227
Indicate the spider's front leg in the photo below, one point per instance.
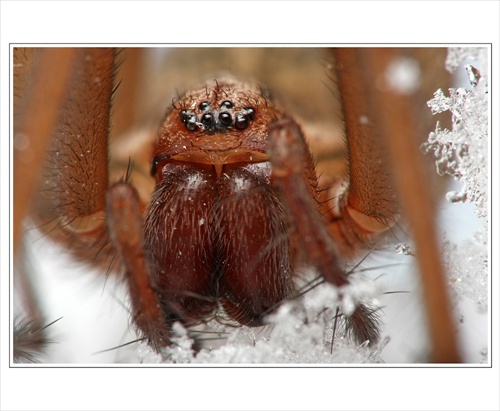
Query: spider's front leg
127,233
295,178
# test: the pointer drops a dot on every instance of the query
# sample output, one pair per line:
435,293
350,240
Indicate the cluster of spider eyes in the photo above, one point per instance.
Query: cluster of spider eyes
221,119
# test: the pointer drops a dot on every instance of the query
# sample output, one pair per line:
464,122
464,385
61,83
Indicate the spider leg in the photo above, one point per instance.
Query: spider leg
293,177
74,202
368,205
49,83
70,204
382,131
39,84
291,161
127,234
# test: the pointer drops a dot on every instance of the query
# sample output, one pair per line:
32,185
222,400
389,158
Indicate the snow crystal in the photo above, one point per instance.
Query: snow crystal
403,248
468,272
462,152
458,55
300,331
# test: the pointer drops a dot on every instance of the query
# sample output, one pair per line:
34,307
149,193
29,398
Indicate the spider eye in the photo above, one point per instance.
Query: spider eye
250,112
207,120
225,119
244,117
241,121
228,105
191,123
189,120
184,115
204,106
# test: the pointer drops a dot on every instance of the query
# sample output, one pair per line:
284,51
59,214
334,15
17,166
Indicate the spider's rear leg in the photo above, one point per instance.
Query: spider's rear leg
294,176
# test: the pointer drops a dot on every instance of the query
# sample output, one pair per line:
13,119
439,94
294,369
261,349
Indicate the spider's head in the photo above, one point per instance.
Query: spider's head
221,124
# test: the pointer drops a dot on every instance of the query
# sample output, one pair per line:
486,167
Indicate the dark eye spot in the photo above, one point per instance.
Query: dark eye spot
228,105
204,106
225,119
191,123
184,116
207,120
241,121
250,112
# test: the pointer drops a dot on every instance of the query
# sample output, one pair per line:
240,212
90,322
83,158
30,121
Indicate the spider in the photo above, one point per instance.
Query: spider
230,204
